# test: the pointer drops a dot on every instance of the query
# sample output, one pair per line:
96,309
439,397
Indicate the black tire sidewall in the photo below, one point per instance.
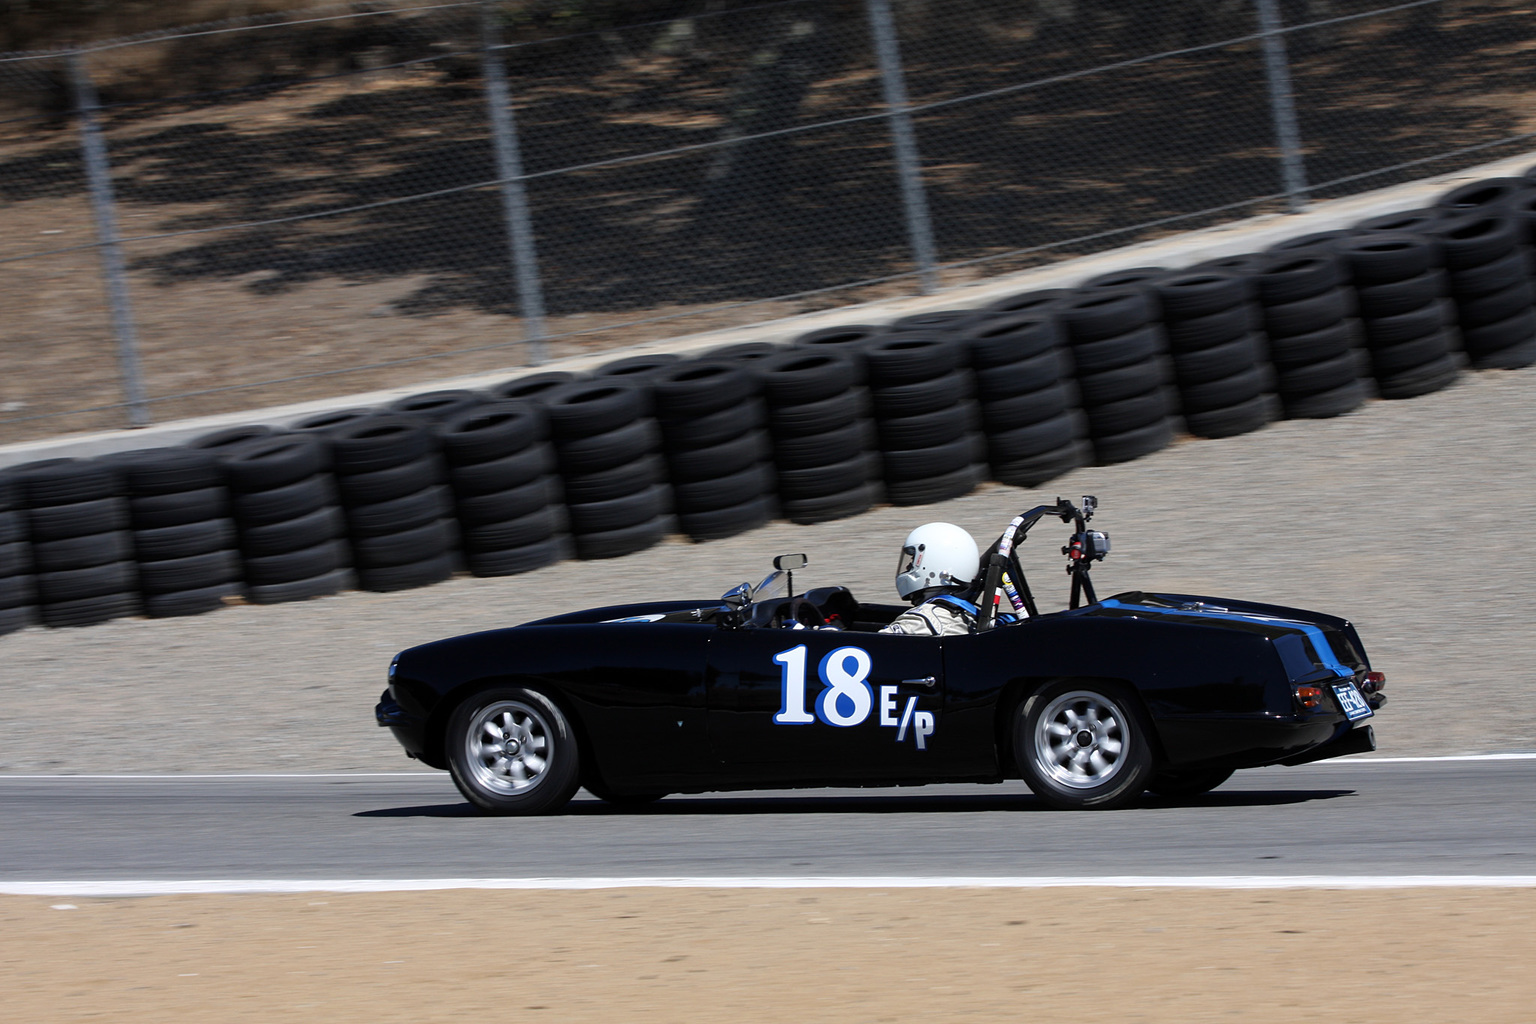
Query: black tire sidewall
1126,785
563,773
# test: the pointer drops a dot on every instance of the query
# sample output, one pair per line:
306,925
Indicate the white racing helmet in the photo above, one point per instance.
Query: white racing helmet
936,555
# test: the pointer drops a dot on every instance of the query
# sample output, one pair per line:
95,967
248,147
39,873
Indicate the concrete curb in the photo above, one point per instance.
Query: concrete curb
1253,234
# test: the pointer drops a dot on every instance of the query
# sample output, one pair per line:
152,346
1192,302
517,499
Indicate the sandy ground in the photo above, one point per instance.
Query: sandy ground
643,955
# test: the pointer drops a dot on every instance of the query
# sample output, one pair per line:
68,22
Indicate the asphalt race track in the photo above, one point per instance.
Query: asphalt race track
1441,817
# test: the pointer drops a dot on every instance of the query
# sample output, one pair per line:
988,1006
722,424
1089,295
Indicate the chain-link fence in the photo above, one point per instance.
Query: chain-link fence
297,206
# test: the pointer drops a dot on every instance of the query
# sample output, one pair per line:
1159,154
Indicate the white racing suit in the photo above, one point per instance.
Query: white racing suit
944,615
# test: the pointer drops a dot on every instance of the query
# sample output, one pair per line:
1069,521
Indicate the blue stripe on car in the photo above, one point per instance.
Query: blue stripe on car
1318,638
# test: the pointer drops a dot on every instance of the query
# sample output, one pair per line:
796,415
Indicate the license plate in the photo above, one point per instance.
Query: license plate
1351,701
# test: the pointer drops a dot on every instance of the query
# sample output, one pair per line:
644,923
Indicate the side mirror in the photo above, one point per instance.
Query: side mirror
738,596
789,563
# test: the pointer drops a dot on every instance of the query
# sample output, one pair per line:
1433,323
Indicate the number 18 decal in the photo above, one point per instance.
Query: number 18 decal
846,698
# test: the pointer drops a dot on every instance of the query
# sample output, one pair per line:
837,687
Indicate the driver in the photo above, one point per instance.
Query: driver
936,572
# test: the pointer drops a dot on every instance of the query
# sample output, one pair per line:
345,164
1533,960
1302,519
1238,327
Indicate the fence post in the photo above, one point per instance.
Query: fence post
904,144
98,173
514,198
1282,104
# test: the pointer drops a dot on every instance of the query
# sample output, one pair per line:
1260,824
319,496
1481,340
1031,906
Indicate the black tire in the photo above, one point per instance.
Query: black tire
694,388
1039,301
833,478
1128,414
1324,375
288,535
1030,374
1434,376
618,513
1217,328
387,578
17,591
641,369
407,513
195,572
534,388
908,358
15,560
625,540
321,585
1115,742
616,482
1215,362
1132,444
56,522
13,527
273,462
508,504
150,471
91,581
1181,784
1008,338
1324,404
511,561
504,473
1121,350
190,602
1390,298
1481,310
846,341
1496,337
488,432
931,428
1232,420
1035,439
534,528
20,617
232,436
389,484
586,408
405,547
1489,277
1032,407
923,396
939,487
82,552
736,455
488,743
267,570
720,523
1237,389
746,352
808,511
1099,313
159,511
1107,386
328,422
379,442
715,428
1380,258
1512,357
1316,346
1304,316
800,376
722,492
1039,469
1487,192
88,611
1201,293
805,452
923,463
818,417
1300,277
1475,239
1391,360
1325,241
597,452
438,406
260,508
52,482
1388,331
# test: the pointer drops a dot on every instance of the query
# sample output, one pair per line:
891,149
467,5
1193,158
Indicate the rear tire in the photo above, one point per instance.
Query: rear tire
512,751
1083,746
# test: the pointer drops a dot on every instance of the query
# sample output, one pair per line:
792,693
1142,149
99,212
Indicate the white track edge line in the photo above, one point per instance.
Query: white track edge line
1509,756
281,885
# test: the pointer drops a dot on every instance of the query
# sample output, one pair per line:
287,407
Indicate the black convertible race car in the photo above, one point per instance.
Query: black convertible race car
765,688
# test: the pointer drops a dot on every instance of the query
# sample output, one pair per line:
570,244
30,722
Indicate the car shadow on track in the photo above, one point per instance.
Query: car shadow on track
720,806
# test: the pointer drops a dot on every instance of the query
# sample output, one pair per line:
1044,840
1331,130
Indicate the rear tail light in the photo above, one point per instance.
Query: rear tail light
1374,682
1309,697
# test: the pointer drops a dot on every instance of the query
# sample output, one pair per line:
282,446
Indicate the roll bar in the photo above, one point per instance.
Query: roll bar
1003,568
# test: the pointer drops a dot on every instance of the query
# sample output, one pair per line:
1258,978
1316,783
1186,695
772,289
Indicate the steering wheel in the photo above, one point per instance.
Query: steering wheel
796,609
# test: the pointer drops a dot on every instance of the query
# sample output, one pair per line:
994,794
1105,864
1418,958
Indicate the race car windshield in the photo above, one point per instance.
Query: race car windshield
773,585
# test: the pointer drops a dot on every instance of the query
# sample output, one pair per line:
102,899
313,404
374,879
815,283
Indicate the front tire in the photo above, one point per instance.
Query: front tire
512,751
1083,746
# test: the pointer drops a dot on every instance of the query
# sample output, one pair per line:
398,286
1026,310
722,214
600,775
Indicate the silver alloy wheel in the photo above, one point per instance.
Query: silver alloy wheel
508,747
1081,740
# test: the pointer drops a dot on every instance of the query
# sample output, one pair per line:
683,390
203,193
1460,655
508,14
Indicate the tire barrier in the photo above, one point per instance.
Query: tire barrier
182,533
715,441
506,493
608,448
291,533
543,467
1026,399
927,422
81,551
820,429
1118,349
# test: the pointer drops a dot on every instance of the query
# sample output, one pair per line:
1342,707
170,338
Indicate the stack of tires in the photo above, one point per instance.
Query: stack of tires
438,406
531,388
1220,363
1486,196
399,513
1405,319
18,595
506,493
925,417
1119,352
714,435
1488,266
82,554
606,443
283,500
1027,401
183,534
1306,305
818,418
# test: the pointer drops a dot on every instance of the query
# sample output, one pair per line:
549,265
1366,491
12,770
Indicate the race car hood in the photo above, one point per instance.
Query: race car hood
1309,643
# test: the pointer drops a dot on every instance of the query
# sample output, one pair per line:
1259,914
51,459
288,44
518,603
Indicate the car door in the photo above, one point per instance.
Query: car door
793,704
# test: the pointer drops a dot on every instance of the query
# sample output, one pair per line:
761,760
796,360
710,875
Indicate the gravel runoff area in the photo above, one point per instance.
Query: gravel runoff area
1412,518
